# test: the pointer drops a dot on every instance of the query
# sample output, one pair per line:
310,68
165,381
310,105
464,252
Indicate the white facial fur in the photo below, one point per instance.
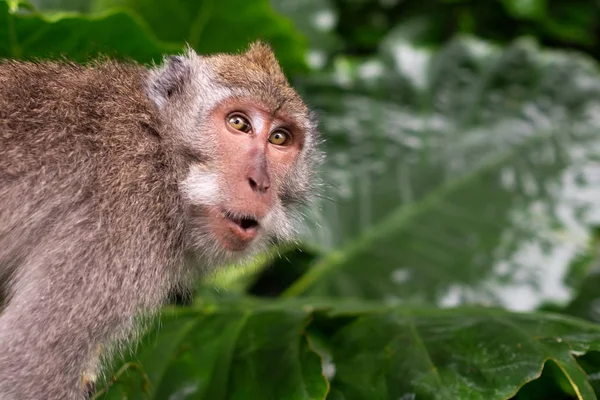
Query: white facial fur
201,187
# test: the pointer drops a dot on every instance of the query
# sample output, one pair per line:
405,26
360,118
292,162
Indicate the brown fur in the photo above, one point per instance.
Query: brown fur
260,67
71,141
93,228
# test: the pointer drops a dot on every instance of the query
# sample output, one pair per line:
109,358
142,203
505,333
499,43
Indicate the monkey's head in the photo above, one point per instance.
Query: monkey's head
246,143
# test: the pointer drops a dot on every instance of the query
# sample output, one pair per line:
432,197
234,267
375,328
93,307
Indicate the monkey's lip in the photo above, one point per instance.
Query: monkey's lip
245,227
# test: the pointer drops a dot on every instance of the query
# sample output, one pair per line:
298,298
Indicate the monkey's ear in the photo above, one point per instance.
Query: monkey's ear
169,80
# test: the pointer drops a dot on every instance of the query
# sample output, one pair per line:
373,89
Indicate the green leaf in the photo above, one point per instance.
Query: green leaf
462,175
528,9
311,349
316,19
78,37
211,26
549,385
452,355
245,352
124,34
573,23
62,5
587,302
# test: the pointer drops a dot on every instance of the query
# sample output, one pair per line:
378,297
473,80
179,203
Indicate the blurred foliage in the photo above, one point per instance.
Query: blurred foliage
357,27
207,25
463,171
572,23
117,34
135,30
469,182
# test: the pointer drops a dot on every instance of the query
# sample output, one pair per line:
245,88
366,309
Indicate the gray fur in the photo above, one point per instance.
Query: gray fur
101,170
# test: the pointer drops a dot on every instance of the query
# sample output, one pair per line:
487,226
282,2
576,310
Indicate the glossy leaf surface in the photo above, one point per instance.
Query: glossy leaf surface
309,350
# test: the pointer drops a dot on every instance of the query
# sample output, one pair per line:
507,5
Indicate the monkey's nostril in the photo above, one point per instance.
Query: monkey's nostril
253,184
261,186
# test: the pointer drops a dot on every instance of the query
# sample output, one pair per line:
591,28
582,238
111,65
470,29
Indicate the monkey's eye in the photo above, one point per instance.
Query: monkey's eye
239,123
280,138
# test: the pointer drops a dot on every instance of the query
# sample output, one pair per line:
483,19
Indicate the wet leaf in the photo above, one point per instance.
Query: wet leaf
245,352
308,350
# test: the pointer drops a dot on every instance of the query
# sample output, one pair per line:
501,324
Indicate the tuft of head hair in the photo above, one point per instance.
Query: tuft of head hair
260,57
257,71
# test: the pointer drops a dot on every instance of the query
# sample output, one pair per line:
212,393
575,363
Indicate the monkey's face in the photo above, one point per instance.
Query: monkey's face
242,196
256,150
248,144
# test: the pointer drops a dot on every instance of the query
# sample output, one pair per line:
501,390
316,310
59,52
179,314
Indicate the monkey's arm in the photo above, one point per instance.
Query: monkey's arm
69,296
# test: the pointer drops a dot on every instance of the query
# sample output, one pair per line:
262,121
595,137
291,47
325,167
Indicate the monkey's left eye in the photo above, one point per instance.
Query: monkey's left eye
239,123
280,138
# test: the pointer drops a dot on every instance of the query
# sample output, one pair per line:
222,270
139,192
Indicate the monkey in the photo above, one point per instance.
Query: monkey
121,182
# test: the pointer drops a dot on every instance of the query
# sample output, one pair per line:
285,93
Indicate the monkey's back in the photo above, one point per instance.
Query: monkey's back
61,111
81,143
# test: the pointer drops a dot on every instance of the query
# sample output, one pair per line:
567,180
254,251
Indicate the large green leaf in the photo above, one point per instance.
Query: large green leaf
123,33
244,352
469,174
62,5
211,26
78,37
309,350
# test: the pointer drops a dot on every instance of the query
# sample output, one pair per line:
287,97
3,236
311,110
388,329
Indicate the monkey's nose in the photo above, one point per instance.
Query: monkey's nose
259,182
258,174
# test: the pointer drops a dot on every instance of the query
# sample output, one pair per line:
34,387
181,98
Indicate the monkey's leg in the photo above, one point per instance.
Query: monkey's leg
68,297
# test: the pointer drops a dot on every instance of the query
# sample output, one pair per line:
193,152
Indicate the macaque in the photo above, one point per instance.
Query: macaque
121,183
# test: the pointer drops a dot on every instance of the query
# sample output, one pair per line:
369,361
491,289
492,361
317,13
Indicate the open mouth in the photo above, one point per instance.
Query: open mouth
245,222
244,226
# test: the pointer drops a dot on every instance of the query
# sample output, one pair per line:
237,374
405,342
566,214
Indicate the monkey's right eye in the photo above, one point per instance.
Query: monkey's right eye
239,123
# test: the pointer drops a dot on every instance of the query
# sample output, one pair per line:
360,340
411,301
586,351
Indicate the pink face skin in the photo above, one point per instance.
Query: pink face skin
259,147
